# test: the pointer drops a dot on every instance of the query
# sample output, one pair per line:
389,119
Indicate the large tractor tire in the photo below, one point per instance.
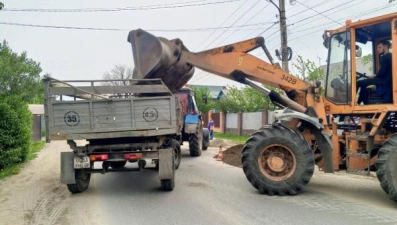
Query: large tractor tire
177,153
196,141
206,138
387,167
82,181
169,184
278,161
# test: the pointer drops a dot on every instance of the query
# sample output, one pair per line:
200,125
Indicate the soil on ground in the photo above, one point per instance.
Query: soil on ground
232,155
220,142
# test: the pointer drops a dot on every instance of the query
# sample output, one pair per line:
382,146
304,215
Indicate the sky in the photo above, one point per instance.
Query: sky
200,24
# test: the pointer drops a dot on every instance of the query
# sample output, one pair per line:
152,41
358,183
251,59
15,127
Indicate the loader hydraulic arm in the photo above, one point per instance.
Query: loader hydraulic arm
157,57
233,62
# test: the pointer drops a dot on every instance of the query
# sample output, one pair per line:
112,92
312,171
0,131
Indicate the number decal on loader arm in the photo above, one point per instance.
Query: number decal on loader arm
289,79
239,61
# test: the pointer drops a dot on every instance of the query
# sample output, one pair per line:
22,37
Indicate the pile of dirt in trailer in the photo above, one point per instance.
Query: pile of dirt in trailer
232,155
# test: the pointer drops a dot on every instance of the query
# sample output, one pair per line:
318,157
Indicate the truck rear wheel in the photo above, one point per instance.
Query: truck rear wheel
82,181
387,167
169,184
278,161
196,142
177,153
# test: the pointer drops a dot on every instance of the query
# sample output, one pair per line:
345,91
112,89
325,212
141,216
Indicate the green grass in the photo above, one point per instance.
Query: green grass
15,169
36,147
232,137
10,171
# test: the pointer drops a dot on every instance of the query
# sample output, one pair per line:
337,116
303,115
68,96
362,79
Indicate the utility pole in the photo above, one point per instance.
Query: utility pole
283,30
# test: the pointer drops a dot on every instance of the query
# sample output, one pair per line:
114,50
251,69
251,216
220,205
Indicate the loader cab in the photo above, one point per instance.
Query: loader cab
345,67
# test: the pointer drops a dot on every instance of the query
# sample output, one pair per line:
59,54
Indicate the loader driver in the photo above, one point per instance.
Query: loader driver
382,79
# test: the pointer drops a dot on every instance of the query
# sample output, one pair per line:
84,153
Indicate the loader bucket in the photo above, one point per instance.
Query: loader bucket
157,57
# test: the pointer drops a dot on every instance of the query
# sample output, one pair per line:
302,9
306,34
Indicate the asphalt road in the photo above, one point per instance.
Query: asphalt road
206,192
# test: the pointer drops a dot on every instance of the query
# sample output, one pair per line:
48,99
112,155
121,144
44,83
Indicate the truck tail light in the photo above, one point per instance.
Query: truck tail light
101,157
132,156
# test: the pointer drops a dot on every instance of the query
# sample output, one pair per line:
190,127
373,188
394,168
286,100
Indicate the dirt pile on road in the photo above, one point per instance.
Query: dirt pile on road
222,142
232,155
217,143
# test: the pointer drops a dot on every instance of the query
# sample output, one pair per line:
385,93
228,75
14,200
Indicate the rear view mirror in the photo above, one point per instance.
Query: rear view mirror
359,51
326,39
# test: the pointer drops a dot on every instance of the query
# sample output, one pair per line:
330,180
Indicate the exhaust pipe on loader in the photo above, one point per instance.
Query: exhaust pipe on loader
157,57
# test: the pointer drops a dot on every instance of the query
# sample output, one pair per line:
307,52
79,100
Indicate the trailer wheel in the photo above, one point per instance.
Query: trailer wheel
169,184
118,165
278,161
82,181
206,138
196,141
387,167
177,153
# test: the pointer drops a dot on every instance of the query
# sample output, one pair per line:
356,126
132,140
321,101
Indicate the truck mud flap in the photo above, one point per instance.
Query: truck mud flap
166,161
67,169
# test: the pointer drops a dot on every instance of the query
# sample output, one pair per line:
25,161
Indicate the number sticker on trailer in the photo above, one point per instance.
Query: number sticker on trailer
81,162
71,118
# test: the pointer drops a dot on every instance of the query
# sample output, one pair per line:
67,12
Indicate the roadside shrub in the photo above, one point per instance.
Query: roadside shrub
15,130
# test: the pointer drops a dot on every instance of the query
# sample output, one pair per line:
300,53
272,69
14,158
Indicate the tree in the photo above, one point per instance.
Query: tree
20,75
15,129
117,73
247,99
308,71
1,5
368,59
199,92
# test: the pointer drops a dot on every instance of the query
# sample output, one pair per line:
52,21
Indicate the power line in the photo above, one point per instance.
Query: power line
116,29
303,43
268,29
233,23
309,22
202,73
248,21
152,7
321,25
248,35
314,6
314,20
221,25
320,13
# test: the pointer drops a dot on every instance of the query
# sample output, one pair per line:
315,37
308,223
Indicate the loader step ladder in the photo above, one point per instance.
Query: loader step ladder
369,142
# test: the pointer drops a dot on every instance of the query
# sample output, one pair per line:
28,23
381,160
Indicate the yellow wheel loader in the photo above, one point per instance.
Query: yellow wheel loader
323,123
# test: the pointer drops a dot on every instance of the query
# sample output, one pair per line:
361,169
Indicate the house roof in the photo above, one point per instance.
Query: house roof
215,91
36,109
